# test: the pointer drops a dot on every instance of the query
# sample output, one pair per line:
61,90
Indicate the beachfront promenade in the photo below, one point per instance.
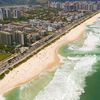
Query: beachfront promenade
36,47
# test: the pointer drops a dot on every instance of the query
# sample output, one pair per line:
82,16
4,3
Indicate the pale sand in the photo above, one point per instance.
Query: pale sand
46,58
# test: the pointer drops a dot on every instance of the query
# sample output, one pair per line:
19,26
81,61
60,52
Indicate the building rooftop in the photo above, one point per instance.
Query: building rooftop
4,32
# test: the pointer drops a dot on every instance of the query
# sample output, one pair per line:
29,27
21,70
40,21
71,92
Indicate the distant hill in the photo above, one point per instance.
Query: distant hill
10,2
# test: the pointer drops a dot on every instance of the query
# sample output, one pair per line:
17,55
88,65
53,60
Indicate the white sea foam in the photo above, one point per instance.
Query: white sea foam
2,98
73,47
91,42
69,80
73,58
25,86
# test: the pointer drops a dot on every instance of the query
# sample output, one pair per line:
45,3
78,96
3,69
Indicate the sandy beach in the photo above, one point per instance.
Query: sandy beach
46,59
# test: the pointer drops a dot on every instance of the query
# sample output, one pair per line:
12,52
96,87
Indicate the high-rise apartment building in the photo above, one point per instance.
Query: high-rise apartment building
75,6
12,38
10,12
1,14
5,38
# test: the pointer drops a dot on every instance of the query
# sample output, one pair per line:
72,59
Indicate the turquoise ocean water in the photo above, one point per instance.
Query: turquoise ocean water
76,78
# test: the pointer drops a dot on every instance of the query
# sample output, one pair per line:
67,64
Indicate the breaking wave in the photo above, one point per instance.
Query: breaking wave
91,42
68,82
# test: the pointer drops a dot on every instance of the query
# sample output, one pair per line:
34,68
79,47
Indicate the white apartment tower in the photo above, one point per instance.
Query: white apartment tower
1,15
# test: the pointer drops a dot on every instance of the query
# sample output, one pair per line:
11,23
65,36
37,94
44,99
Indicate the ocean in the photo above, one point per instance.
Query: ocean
77,76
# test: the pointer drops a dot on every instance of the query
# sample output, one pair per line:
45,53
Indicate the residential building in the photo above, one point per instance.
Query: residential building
1,14
5,38
9,12
18,38
75,5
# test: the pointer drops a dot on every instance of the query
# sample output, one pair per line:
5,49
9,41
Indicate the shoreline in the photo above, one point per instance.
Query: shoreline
45,59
